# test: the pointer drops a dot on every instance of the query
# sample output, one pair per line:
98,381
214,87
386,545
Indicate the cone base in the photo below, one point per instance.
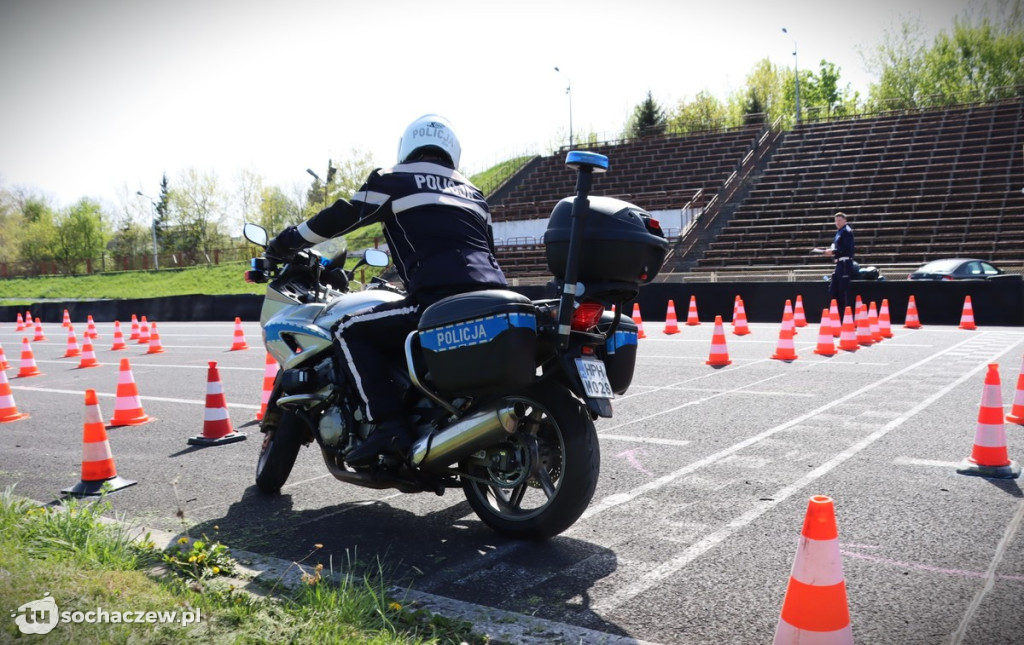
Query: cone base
236,348
89,489
968,467
740,332
158,350
826,352
671,331
117,347
967,327
784,357
231,437
1013,418
718,363
17,416
90,363
912,326
134,421
29,374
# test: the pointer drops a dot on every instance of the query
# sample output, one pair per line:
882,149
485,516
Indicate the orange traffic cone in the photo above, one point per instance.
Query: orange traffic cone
876,329
671,323
884,320
128,408
28,365
864,338
88,355
67,319
143,332
719,355
735,309
3,359
154,341
118,337
834,320
90,329
239,341
848,339
98,472
134,335
73,348
826,342
912,321
1016,412
21,323
39,332
269,376
691,316
815,609
28,318
740,328
784,350
967,317
638,320
799,316
989,457
217,428
8,410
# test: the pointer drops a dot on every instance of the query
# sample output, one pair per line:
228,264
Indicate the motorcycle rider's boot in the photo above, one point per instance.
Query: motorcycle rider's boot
391,437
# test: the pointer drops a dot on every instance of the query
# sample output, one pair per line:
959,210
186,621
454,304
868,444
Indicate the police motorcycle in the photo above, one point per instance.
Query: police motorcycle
502,391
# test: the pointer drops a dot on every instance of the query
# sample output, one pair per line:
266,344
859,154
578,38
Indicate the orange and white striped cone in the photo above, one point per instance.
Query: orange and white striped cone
21,323
799,315
239,339
876,329
8,410
671,322
99,474
155,347
719,354
692,319
884,319
143,332
217,428
826,342
735,309
88,355
1016,414
638,320
815,608
73,349
3,359
784,350
269,376
28,318
127,408
967,317
118,337
90,329
834,320
912,321
741,328
28,365
864,338
39,332
848,339
788,310
988,456
134,335
67,319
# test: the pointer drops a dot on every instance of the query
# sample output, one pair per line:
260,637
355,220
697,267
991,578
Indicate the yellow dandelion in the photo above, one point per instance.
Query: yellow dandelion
183,540
191,559
394,606
215,570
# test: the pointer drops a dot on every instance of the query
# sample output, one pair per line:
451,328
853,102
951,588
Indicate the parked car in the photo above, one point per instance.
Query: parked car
957,269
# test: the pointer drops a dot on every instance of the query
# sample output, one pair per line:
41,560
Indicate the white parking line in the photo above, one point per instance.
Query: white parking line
202,402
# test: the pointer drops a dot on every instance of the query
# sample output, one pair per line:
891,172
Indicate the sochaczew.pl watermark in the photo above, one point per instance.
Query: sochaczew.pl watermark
41,616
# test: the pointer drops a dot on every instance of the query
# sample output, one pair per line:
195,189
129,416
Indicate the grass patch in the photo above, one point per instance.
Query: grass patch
83,564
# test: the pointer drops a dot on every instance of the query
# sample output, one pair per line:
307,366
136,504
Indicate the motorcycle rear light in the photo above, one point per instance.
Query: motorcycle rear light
586,316
947,277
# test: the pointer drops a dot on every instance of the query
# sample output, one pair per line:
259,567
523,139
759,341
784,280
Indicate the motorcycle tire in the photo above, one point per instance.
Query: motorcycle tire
539,505
281,445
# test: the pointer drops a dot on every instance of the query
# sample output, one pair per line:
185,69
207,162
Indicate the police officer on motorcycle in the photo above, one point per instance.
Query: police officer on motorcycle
438,229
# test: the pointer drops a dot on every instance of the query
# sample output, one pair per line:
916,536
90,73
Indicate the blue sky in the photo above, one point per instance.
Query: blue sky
101,97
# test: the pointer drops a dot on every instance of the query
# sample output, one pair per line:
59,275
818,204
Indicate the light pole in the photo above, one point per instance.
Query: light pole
568,91
152,206
330,175
796,73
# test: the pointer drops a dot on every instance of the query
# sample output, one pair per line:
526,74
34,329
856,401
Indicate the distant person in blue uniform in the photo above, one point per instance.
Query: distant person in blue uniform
842,250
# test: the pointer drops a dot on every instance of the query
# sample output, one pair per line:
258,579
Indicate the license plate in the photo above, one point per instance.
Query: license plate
595,378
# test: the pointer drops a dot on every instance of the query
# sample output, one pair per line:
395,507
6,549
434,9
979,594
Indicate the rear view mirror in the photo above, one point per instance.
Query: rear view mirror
255,234
376,258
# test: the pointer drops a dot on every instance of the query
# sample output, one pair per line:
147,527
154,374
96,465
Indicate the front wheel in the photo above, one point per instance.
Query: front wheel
538,482
281,444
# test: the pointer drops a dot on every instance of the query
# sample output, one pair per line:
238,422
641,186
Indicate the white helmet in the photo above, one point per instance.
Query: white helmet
430,131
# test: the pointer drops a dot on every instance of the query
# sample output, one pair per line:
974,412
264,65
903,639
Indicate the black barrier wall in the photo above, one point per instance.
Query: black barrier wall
997,303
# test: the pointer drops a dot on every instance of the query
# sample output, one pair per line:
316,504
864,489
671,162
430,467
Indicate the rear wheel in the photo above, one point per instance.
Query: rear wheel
538,482
281,443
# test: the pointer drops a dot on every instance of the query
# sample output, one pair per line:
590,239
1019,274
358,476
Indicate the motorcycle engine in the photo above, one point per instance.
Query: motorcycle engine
332,427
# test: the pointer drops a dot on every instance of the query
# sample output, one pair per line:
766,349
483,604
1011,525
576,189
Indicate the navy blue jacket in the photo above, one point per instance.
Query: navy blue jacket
437,225
842,244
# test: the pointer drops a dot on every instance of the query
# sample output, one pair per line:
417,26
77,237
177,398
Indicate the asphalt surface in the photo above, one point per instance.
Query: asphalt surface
705,481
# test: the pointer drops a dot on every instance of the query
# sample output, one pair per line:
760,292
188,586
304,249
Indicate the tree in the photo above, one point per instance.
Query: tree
648,119
763,98
196,211
79,235
342,180
36,239
704,112
277,211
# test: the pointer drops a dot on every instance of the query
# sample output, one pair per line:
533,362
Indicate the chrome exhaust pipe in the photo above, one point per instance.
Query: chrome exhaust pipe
439,450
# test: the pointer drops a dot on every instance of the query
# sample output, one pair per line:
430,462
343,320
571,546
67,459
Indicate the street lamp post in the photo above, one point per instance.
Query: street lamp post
330,175
568,91
152,206
796,72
